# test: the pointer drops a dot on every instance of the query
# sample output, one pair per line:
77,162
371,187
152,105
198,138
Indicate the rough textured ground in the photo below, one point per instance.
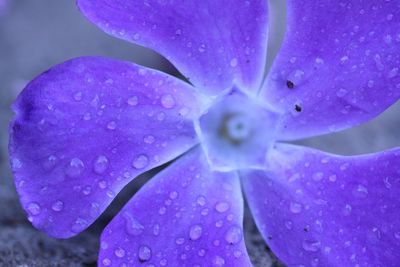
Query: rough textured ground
35,35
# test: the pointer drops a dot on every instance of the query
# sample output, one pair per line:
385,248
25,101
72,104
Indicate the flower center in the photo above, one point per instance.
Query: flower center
236,128
236,132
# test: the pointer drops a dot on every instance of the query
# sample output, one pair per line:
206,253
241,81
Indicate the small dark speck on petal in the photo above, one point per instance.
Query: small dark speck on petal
297,108
289,84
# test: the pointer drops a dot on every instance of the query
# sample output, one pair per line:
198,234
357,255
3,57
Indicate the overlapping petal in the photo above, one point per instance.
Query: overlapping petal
338,65
185,216
85,128
318,209
213,43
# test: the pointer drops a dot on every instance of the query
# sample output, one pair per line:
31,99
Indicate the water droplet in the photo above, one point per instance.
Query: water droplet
133,101
201,252
311,246
75,167
50,162
234,62
119,252
79,225
133,226
397,235
140,162
149,139
173,195
57,206
156,229
100,165
233,235
218,261
87,190
195,232
360,191
221,207
295,207
78,96
103,184
179,240
112,125
318,176
106,262
341,92
33,208
144,253
201,200
167,101
289,225
347,210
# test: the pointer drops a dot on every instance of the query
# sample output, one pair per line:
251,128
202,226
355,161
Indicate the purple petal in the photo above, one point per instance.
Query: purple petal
85,128
318,209
185,216
338,67
211,42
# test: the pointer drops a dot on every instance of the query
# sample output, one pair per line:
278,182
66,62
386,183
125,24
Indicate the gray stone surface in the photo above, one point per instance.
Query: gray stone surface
35,35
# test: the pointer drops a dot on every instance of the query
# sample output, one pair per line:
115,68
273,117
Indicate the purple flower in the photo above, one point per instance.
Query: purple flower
87,127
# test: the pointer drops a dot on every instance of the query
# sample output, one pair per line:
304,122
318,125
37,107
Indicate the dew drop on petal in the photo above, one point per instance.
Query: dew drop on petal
75,167
144,253
33,208
218,261
100,165
133,226
233,235
311,246
133,101
221,207
140,162
201,200
112,125
195,232
234,62
167,101
295,207
119,252
57,206
149,139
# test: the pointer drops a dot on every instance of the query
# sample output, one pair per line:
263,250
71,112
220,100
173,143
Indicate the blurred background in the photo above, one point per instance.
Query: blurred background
35,35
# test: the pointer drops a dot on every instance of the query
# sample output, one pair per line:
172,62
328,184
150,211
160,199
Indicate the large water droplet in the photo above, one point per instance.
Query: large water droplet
360,191
195,232
133,226
234,62
221,207
201,200
233,235
100,165
57,206
140,162
144,253
75,167
120,252
33,208
167,101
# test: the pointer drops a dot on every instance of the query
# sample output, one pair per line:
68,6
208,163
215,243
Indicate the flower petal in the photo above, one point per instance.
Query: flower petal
318,209
185,216
211,42
85,128
338,66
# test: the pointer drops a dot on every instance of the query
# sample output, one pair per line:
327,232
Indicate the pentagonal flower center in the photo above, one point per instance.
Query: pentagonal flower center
236,132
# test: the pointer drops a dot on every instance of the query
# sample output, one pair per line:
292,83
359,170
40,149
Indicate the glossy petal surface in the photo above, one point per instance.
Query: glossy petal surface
338,66
211,42
85,128
185,216
318,209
